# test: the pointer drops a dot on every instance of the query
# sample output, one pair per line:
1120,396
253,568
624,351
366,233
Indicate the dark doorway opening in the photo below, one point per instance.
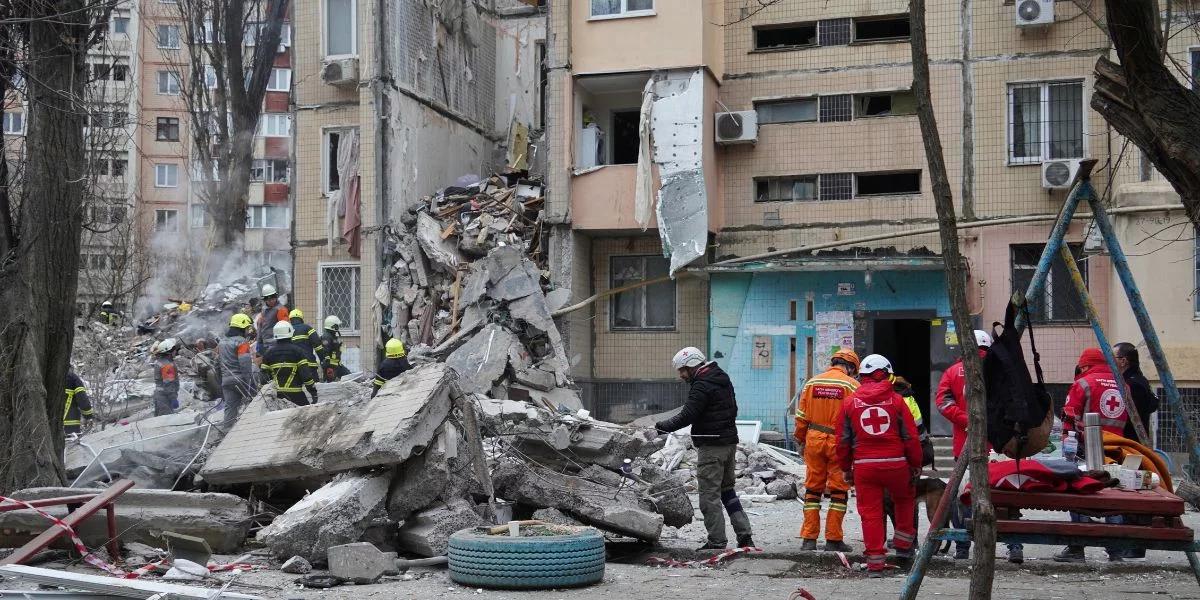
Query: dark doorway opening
625,136
906,343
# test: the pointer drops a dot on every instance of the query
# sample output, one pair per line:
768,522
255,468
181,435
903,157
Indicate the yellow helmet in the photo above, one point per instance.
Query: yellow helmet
185,307
296,314
394,348
240,321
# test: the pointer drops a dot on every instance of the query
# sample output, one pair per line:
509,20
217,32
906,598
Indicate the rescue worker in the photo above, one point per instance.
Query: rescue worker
287,365
711,410
951,401
305,336
879,451
235,365
902,387
205,364
108,316
329,353
78,406
1095,390
166,378
816,418
394,363
272,312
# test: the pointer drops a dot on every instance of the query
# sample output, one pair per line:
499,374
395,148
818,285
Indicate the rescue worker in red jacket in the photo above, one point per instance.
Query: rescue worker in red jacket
879,450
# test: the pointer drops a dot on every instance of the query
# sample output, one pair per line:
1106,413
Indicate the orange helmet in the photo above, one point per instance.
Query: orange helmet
848,356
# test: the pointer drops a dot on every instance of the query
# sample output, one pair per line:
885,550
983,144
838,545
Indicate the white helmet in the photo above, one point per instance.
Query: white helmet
875,362
269,290
332,322
983,339
284,331
688,357
165,346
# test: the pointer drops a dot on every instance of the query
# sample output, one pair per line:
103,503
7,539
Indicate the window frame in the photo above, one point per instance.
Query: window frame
325,131
767,179
167,170
159,129
174,222
789,25
349,328
193,221
854,39
171,76
287,86
917,172
815,100
624,13
158,41
1046,303
325,31
263,221
643,291
10,116
114,19
1044,121
265,130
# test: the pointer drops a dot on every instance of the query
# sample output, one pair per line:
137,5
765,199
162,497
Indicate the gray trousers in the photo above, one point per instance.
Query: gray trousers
234,396
715,473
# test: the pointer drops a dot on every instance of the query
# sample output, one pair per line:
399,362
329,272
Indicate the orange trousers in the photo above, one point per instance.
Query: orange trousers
824,475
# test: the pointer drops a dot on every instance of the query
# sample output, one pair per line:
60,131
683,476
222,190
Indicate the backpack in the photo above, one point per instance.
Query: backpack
1019,410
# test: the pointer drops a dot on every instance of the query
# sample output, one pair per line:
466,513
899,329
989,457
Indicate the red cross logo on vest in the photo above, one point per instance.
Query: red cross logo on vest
875,420
1111,404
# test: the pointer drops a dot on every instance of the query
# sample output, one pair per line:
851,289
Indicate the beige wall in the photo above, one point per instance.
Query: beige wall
672,37
603,199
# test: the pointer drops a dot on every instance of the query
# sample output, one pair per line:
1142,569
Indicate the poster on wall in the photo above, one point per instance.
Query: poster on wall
835,331
761,357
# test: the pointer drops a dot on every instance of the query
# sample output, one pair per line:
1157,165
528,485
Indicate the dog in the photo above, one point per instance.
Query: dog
929,493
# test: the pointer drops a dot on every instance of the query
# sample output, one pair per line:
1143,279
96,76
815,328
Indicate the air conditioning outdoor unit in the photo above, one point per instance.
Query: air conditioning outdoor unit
737,127
342,71
1034,13
1059,174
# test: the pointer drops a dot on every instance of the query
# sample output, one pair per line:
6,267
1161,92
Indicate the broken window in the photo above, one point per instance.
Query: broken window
613,8
167,129
785,189
837,186
833,32
1045,121
885,104
333,145
836,108
338,285
787,111
794,35
167,220
875,29
543,80
884,184
1058,302
340,31
647,307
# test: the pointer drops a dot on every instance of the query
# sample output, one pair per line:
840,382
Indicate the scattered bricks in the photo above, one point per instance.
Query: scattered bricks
187,547
782,489
296,565
360,562
338,513
428,532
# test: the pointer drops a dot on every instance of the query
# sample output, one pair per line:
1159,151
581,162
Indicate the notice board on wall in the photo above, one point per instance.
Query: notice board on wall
834,331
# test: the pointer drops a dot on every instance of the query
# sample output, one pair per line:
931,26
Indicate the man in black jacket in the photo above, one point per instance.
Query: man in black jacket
711,410
1147,404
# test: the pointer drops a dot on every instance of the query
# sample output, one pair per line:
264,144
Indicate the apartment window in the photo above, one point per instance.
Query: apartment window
166,175
168,83
269,171
793,35
649,307
198,216
339,294
885,104
120,117
785,189
837,186
166,220
117,214
210,77
834,32
120,72
280,81
101,71
168,36
119,166
100,119
100,166
1045,121
120,25
167,129
835,108
276,125
887,184
267,217
878,29
14,123
333,143
1059,303
340,32
96,262
622,8
787,111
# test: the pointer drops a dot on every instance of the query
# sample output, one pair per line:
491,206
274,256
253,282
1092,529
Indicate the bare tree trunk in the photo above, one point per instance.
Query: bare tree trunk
984,519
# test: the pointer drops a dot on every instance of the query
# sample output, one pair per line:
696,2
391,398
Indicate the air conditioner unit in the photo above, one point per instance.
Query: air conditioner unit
1034,13
737,127
1059,174
342,71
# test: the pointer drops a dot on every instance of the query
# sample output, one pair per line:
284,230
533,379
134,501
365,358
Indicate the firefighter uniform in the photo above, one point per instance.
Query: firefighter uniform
304,335
1095,390
236,367
166,379
78,406
329,353
820,400
287,364
392,366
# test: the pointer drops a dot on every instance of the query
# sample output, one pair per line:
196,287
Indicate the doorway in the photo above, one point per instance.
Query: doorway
625,139
906,343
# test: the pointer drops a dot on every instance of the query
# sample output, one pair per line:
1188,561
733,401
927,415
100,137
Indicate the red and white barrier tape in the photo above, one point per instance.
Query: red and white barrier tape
711,561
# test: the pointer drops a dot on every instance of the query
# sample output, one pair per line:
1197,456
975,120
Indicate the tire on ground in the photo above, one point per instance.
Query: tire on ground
526,563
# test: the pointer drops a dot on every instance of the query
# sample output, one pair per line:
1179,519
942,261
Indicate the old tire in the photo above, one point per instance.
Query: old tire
477,559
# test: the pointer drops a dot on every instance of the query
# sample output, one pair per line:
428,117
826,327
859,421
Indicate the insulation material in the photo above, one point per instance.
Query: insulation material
677,126
644,188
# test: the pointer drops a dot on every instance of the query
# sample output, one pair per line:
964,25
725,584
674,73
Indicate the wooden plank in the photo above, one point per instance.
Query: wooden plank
76,517
1117,501
1133,532
127,588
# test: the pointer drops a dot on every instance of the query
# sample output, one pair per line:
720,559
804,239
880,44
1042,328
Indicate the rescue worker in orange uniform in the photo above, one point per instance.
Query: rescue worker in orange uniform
816,415
879,450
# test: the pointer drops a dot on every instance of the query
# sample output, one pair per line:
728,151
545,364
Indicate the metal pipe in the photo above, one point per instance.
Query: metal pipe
1121,264
114,546
1053,243
912,584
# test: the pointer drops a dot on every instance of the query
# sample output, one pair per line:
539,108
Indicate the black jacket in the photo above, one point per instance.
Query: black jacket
1143,398
389,369
711,409
289,365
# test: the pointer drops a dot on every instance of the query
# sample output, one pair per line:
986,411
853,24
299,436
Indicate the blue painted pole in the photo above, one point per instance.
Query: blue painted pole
1034,293
1149,334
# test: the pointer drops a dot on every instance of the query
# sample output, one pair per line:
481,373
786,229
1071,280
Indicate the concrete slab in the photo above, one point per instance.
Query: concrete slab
481,360
325,438
428,532
360,562
337,513
187,547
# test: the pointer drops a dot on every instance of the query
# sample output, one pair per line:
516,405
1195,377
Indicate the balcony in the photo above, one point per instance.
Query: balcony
602,199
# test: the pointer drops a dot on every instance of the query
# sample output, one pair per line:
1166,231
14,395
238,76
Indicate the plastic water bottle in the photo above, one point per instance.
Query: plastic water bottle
1070,447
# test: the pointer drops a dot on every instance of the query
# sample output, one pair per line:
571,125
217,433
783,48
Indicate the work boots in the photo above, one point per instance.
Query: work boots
711,546
809,545
1071,554
837,546
746,542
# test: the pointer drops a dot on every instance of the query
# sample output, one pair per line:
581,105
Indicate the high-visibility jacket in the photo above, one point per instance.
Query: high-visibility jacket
109,318
306,337
389,369
820,401
875,427
330,350
1096,391
234,361
287,365
78,406
166,377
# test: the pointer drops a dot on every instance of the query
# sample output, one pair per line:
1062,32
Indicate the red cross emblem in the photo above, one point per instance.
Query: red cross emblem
875,420
1111,404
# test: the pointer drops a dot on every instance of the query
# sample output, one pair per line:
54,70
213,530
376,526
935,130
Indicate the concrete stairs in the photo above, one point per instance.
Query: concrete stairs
943,455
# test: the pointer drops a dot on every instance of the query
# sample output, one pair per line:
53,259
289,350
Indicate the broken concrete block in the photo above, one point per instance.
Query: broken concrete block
782,489
296,565
593,442
187,547
187,437
360,562
481,360
337,513
428,532
221,520
438,473
557,517
536,378
558,298
325,438
587,501
523,280
442,253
